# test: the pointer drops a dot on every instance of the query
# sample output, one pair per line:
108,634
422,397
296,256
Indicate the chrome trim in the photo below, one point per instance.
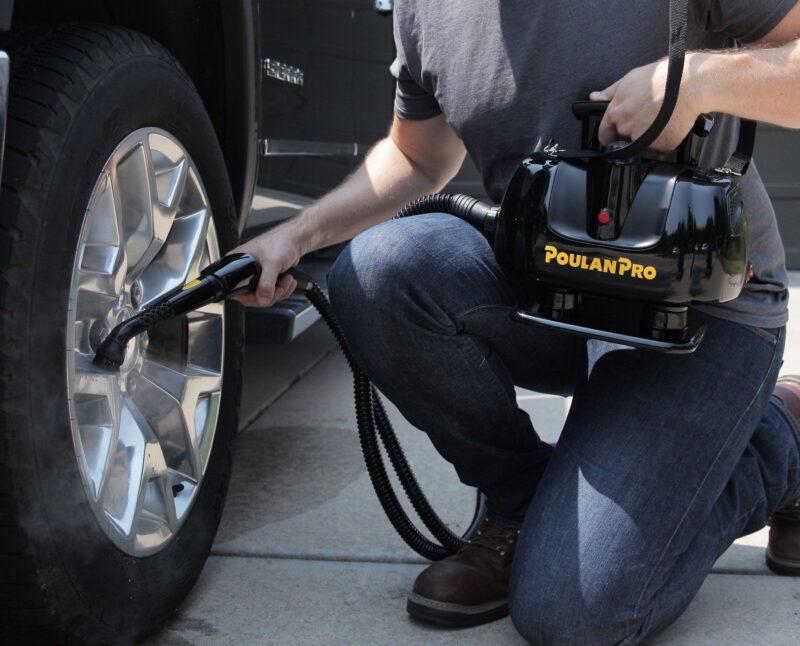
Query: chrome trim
283,72
304,320
299,148
5,66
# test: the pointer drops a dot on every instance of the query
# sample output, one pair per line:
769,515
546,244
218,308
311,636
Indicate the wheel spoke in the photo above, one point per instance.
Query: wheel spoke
133,184
96,402
92,380
159,391
179,257
159,175
170,170
185,392
122,490
155,516
102,261
107,283
200,400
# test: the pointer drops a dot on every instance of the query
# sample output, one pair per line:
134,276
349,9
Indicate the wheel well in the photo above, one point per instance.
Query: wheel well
212,39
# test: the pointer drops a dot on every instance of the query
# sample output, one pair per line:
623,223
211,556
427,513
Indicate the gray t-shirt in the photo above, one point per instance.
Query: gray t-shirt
506,72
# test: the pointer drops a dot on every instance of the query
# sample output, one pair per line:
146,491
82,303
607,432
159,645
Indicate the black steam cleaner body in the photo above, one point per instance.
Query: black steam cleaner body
618,249
614,243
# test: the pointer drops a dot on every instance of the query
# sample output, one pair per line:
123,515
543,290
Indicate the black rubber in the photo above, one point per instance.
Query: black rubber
465,207
781,568
76,92
110,354
453,618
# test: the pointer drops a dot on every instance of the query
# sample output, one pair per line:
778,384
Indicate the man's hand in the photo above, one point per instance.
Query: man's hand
277,252
636,100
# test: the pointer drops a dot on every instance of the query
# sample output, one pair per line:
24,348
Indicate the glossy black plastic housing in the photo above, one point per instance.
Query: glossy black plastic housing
682,241
238,273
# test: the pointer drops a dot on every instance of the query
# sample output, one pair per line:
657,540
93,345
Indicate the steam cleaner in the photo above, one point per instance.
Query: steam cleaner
613,243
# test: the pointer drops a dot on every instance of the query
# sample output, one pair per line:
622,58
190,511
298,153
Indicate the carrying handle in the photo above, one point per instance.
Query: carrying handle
591,113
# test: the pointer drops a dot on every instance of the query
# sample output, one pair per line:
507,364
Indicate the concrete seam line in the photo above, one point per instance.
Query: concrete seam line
292,383
329,558
410,560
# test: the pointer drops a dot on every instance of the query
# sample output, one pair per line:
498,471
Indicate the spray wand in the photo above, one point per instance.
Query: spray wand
233,274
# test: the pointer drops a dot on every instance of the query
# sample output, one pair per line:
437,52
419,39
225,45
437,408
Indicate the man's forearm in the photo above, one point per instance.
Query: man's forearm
385,181
754,83
417,157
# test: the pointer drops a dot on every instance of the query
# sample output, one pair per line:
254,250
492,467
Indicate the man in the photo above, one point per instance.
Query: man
663,460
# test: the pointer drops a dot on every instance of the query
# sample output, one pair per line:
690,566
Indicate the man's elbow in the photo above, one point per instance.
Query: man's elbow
446,171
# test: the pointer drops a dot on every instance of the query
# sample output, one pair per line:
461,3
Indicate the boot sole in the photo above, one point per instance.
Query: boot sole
454,615
782,567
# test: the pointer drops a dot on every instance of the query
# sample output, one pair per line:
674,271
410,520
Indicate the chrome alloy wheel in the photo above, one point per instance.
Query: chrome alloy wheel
143,437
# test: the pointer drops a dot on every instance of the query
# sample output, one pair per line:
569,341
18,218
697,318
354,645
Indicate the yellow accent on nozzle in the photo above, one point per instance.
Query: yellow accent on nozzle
190,284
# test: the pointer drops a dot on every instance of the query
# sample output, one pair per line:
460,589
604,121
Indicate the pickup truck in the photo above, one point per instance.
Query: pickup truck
142,141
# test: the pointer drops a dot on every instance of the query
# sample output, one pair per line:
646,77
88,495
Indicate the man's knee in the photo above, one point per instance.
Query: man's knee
571,603
412,270
370,268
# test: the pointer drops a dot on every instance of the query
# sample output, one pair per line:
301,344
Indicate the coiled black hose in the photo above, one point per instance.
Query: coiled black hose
373,422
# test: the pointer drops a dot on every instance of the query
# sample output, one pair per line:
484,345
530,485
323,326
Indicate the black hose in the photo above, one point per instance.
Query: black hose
479,214
373,422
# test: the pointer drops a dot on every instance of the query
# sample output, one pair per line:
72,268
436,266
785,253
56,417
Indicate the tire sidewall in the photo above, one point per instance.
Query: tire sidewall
128,595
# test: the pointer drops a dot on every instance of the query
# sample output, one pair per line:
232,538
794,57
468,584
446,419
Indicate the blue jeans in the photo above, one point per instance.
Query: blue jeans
662,463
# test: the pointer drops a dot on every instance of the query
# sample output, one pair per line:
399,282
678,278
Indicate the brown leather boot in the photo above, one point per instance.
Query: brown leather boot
783,549
470,587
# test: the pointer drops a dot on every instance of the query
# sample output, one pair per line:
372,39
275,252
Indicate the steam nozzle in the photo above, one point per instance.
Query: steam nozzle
233,274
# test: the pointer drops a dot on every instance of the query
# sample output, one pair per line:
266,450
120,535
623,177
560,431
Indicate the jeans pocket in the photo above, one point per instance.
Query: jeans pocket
770,335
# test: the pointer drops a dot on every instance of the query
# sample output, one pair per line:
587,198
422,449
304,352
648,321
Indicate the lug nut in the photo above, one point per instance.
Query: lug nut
136,294
97,332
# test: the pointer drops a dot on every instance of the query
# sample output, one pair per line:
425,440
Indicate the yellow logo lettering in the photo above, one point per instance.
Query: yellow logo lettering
620,266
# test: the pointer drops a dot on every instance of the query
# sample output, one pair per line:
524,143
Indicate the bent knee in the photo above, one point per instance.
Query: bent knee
560,608
372,264
410,266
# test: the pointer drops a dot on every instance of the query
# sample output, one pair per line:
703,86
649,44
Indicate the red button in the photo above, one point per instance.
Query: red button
604,217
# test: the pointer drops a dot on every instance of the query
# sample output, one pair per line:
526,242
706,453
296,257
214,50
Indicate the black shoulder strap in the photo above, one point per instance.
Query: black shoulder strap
739,161
678,28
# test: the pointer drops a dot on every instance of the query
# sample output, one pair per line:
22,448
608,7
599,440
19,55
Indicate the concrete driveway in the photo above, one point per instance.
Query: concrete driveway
304,554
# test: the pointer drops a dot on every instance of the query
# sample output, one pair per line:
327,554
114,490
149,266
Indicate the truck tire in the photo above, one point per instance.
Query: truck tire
111,488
